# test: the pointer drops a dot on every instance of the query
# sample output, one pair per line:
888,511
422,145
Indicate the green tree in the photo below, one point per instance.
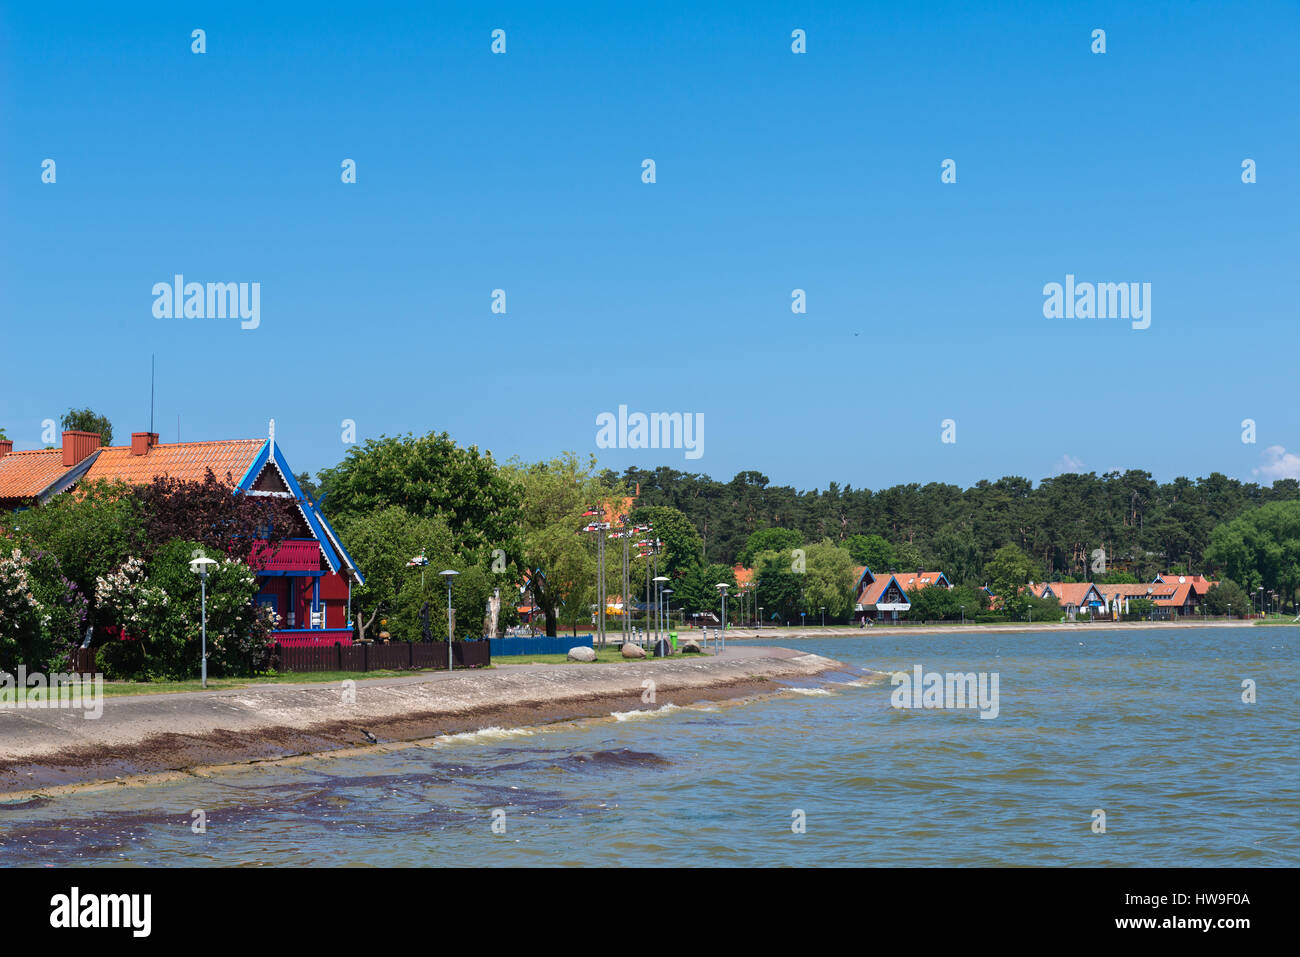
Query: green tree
470,590
697,591
935,603
779,588
428,476
1007,570
828,581
1260,548
308,485
872,551
65,608
970,601
957,556
90,534
907,558
85,420
1037,609
560,558
1227,598
383,544
1117,578
682,547
769,540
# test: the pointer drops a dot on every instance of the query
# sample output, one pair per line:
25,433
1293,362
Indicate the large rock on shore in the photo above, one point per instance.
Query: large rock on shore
690,648
582,654
633,651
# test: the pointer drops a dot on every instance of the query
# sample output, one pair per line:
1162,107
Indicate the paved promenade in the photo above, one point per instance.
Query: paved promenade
148,733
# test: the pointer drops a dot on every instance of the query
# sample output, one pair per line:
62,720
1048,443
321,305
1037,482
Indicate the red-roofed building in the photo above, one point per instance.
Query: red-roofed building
307,580
1171,600
1200,584
882,597
1074,597
34,477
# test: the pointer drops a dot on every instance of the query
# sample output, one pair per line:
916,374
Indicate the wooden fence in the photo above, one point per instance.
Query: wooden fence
396,656
81,661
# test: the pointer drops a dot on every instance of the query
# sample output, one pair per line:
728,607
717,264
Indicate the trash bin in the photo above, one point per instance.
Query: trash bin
673,637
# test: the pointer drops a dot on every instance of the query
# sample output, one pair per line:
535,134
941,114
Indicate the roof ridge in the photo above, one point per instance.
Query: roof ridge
172,445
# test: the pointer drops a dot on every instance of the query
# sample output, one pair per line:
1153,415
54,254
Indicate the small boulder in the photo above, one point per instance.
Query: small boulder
582,654
633,651
690,648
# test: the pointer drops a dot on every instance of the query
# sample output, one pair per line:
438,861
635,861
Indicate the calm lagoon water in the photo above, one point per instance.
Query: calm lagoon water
1148,726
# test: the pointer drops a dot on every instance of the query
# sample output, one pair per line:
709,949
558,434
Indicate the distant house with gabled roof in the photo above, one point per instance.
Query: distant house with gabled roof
1074,597
1171,600
882,597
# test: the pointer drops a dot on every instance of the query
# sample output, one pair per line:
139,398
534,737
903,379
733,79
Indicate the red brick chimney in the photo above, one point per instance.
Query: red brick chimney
6,446
77,445
142,442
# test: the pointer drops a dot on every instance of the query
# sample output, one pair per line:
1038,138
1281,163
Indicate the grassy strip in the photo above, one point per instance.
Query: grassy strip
119,688
608,655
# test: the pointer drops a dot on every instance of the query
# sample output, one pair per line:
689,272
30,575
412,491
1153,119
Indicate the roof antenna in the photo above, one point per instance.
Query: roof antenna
151,379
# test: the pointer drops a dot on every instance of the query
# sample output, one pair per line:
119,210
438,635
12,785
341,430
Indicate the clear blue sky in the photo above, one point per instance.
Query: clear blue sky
775,171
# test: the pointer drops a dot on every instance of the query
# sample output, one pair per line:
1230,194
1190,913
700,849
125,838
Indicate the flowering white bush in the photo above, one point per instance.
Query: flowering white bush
128,598
158,609
22,619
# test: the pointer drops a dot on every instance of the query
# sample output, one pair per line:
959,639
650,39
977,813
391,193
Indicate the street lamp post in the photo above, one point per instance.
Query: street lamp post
200,567
668,616
760,617
722,588
963,613
448,574
659,580
823,616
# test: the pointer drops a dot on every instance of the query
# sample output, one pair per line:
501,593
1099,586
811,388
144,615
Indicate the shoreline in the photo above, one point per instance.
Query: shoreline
140,739
879,631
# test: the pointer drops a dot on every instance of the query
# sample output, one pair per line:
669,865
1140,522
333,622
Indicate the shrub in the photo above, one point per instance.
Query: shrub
158,606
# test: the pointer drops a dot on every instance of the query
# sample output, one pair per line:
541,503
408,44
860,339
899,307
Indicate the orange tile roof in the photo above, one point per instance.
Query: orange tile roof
909,582
1154,591
1070,593
1179,597
1200,584
188,461
27,474
871,594
915,581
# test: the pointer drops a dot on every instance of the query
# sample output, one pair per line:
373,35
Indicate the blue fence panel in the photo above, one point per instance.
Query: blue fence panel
538,646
